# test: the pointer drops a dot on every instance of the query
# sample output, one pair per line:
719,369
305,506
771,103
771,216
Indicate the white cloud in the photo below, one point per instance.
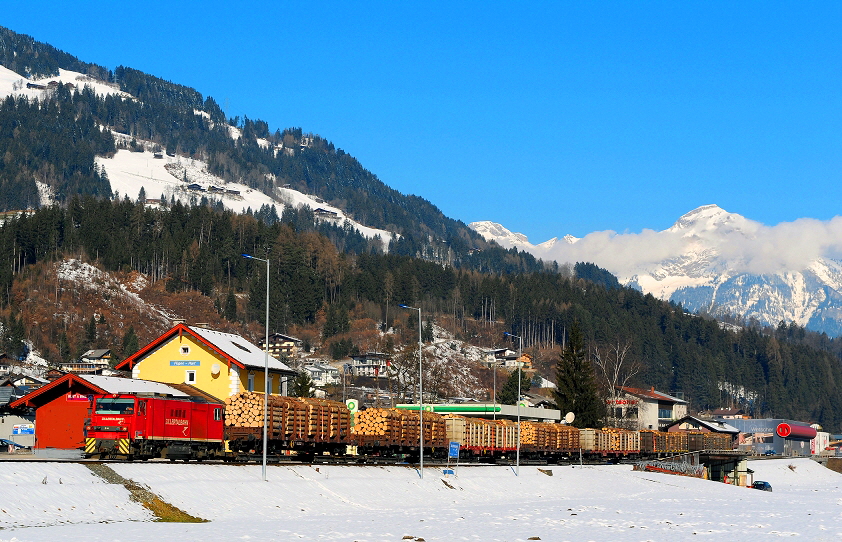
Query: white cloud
751,247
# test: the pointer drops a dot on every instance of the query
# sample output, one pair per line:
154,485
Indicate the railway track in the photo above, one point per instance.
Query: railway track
350,461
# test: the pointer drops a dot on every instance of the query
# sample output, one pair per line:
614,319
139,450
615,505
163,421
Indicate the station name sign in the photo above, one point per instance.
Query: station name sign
182,363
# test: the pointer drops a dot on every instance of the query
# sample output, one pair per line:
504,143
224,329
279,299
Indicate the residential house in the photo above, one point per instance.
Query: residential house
323,375
281,345
220,364
91,362
692,423
503,357
370,364
647,408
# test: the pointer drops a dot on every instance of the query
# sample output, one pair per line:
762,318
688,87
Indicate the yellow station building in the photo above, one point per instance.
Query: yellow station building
220,364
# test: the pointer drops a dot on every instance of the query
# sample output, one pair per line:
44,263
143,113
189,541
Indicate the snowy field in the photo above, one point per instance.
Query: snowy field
392,503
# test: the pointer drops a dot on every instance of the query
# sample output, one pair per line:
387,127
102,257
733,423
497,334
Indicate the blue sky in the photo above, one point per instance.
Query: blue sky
551,118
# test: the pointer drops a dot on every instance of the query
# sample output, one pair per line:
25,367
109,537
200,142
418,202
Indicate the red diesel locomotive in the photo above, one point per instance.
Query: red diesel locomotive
143,427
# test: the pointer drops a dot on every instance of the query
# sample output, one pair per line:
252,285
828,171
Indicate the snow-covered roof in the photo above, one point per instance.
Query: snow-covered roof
113,384
651,394
717,426
240,349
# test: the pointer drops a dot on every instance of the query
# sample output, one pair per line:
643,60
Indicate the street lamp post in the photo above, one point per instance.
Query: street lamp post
519,378
420,394
494,368
265,366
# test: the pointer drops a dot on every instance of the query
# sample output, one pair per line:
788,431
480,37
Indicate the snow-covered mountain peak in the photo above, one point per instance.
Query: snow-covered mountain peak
497,232
718,262
712,219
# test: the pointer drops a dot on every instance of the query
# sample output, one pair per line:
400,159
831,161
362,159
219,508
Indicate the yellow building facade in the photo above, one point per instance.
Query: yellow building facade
220,364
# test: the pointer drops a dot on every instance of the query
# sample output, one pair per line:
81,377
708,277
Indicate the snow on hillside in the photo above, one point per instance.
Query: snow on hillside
169,177
12,83
454,361
128,171
54,501
85,276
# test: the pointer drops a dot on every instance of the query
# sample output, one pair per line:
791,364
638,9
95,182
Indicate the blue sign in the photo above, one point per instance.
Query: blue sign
174,363
24,429
453,451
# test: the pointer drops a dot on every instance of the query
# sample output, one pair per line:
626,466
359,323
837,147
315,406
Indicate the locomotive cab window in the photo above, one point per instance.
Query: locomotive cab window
217,414
114,406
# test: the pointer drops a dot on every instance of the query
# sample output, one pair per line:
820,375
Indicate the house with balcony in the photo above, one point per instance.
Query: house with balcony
647,408
370,364
281,345
323,375
91,362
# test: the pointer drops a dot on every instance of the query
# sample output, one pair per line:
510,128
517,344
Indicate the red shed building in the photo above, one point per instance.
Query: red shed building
61,407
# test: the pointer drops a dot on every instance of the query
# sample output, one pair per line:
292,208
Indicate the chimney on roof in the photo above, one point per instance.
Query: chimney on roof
177,321
653,389
203,325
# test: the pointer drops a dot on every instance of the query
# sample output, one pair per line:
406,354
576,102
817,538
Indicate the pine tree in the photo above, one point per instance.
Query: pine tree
427,332
63,347
302,385
230,311
576,389
130,343
508,393
90,332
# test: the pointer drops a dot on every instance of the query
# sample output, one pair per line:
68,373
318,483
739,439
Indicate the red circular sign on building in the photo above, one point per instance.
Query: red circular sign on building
784,430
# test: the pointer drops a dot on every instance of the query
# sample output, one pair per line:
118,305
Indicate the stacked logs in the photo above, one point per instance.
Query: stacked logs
537,436
622,440
717,441
567,437
290,418
395,427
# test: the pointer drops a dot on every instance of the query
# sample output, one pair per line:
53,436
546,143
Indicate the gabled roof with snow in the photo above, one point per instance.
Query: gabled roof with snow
97,354
94,385
114,384
232,347
651,394
715,426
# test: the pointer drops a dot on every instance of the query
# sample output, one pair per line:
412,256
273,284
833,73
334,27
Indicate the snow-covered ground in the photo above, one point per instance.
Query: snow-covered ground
392,503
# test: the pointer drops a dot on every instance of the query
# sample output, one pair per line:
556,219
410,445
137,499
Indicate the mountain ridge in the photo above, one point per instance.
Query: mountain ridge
711,271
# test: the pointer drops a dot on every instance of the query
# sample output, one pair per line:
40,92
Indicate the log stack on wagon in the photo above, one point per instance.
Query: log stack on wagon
289,419
717,441
392,427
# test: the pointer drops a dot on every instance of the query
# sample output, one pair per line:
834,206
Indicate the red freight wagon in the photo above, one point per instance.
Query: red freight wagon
141,427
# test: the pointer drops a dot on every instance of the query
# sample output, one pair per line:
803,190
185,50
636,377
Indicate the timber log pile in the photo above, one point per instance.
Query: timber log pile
622,440
567,437
717,441
536,435
481,434
290,418
395,427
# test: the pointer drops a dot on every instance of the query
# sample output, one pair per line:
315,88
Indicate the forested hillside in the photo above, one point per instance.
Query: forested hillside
180,120
783,372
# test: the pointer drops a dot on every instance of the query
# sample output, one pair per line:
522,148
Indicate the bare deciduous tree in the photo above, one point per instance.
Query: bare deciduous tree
616,370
